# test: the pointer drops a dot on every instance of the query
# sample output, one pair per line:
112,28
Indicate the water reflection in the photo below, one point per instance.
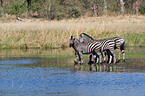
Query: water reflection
36,52
131,52
101,68
41,76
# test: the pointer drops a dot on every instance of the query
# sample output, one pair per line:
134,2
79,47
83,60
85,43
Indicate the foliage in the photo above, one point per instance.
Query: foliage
60,9
142,8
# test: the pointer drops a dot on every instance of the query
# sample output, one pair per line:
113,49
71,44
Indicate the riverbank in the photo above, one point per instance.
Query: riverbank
55,34
135,56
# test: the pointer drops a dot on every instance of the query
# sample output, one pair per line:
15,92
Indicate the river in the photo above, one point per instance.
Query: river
36,72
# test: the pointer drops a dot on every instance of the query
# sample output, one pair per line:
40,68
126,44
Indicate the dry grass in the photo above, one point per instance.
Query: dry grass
55,34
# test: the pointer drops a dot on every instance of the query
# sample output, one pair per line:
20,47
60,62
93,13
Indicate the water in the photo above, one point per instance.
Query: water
38,75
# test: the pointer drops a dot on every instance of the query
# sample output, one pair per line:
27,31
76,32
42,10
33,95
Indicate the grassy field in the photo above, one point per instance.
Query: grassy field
55,34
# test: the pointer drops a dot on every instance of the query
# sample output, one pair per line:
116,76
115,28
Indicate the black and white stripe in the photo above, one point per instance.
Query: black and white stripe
119,43
94,47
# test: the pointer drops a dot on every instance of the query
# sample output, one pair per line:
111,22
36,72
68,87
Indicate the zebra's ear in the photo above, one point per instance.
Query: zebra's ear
73,37
82,35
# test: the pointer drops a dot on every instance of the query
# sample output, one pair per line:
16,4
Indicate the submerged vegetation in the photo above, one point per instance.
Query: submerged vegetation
55,34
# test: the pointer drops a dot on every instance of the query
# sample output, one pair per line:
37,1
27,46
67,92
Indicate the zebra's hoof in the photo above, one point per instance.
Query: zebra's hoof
104,62
118,61
100,62
81,63
75,62
90,62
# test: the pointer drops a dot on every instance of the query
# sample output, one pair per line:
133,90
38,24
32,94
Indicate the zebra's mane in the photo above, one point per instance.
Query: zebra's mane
72,37
77,40
86,35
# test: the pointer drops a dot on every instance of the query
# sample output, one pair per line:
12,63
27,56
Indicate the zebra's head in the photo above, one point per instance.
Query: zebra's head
71,41
86,38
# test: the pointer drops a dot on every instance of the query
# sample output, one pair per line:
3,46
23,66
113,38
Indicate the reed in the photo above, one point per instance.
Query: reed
55,34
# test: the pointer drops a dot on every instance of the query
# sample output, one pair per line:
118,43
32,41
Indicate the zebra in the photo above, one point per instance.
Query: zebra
119,44
96,48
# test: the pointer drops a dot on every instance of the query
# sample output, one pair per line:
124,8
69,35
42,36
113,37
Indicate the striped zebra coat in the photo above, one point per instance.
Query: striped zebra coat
119,43
95,48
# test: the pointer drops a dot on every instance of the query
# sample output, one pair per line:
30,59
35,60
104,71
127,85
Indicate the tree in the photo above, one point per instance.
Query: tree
49,11
60,9
1,3
105,6
137,6
122,7
29,5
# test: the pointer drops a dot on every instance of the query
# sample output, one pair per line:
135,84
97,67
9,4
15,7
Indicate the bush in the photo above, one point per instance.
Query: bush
73,13
142,8
61,9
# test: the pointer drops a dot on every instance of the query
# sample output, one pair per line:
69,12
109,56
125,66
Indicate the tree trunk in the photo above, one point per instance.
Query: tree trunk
95,12
131,6
1,3
136,8
49,11
105,6
29,6
122,7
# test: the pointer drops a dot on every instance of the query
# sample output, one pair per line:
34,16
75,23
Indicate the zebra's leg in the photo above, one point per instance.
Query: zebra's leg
122,50
81,58
110,56
119,51
95,57
119,55
76,59
104,56
105,53
91,59
123,55
100,57
108,53
97,60
114,57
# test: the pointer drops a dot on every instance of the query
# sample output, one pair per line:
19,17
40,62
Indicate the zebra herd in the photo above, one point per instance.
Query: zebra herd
97,48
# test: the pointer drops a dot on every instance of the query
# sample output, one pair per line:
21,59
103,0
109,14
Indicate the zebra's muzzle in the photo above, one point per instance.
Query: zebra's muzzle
70,45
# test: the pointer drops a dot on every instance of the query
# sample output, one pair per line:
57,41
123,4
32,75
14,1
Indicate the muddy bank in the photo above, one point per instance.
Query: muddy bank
137,63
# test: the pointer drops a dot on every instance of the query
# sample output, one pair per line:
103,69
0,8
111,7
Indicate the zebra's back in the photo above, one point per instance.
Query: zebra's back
107,44
118,41
100,46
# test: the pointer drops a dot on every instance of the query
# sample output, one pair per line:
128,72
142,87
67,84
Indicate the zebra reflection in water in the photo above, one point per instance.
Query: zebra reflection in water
100,68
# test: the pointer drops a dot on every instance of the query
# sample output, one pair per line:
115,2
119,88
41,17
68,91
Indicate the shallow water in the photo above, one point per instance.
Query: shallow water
57,76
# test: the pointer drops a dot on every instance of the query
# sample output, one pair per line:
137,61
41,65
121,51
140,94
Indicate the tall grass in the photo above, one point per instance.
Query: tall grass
55,34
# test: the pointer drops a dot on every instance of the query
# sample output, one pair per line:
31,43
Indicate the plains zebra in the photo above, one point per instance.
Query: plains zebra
95,48
119,43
